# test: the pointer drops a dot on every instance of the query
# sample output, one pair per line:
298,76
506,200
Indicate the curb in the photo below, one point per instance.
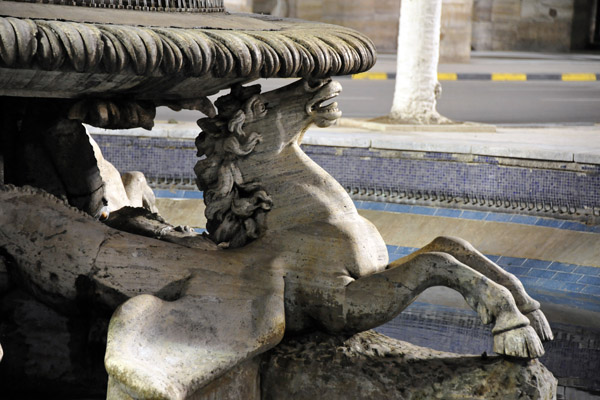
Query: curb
499,76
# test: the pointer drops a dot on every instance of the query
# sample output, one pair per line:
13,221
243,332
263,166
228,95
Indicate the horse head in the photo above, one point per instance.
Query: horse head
253,128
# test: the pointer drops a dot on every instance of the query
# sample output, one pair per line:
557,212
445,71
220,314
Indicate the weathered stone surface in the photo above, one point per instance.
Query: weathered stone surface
530,25
182,211
369,365
455,40
241,382
205,54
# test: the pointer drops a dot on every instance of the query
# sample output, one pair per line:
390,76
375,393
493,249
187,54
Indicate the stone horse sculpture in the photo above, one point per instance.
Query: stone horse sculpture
286,252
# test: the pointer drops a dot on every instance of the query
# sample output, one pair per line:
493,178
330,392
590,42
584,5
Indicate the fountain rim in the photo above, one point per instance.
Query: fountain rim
44,53
131,17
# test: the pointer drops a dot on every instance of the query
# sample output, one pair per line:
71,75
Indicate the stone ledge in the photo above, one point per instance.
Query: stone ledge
520,144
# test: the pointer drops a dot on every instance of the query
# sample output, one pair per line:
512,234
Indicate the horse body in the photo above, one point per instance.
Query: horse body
313,227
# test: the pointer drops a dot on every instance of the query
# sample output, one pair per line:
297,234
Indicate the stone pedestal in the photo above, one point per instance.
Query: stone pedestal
242,382
373,366
63,356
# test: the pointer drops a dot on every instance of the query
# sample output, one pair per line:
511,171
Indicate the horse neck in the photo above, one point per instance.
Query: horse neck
302,192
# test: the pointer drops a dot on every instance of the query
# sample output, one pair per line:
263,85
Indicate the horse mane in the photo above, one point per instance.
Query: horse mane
235,209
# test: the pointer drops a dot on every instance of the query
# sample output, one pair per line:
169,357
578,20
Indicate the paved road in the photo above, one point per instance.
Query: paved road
489,102
542,102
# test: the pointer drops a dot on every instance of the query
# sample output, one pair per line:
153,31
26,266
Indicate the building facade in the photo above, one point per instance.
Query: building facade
483,25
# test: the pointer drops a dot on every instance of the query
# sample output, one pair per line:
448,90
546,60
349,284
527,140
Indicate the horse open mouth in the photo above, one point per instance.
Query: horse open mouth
320,107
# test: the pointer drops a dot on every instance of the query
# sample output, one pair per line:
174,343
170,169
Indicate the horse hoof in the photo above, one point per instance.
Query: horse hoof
540,324
520,342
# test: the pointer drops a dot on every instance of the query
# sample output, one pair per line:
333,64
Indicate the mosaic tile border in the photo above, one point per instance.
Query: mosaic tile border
477,215
430,211
569,191
566,190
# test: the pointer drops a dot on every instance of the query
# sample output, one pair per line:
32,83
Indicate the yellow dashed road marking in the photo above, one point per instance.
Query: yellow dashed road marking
509,77
578,77
447,76
375,76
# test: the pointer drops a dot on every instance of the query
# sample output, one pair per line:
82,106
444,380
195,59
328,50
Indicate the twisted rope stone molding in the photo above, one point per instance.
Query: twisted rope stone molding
267,48
144,5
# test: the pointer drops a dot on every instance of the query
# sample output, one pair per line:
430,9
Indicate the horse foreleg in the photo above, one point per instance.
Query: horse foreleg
375,299
464,252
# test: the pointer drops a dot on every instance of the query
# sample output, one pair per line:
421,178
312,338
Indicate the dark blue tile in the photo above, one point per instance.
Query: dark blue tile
575,226
193,194
512,261
541,273
391,247
377,206
557,266
528,281
590,280
524,219
593,271
408,250
161,193
569,301
573,287
168,194
448,212
422,210
550,284
567,277
593,290
538,264
358,204
518,271
397,208
498,217
550,223
373,205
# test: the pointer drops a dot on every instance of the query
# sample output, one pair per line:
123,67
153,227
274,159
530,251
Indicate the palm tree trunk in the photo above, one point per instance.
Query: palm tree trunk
417,86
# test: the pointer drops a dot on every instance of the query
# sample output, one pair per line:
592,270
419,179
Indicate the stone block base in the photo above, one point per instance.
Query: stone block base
373,366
